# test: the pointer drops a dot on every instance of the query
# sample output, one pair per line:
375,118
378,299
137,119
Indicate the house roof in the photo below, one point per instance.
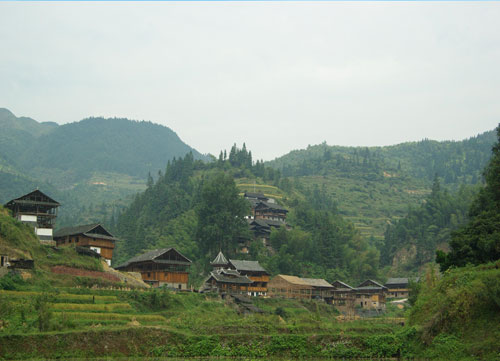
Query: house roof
267,223
273,206
224,278
25,199
294,280
255,195
342,286
252,266
219,260
94,230
398,281
317,282
369,283
152,255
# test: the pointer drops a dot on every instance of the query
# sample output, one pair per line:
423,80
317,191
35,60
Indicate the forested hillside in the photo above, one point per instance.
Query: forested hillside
196,207
375,186
454,161
411,242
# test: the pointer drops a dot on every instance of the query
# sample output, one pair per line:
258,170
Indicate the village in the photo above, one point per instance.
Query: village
168,268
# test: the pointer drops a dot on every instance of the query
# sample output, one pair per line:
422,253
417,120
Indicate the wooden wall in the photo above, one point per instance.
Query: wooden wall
165,276
279,287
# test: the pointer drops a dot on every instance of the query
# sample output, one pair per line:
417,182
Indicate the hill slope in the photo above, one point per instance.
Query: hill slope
374,186
91,145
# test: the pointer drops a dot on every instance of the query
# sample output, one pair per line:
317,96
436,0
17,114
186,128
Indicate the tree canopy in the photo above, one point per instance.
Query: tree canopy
479,240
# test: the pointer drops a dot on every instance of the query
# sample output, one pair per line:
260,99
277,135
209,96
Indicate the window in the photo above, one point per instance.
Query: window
77,240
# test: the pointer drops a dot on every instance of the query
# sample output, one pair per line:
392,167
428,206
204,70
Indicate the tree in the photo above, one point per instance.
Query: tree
220,213
479,240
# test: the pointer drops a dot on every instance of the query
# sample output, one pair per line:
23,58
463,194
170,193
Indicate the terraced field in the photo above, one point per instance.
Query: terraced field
68,323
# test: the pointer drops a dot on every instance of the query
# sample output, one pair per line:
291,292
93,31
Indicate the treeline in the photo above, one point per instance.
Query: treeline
426,227
240,163
363,162
454,162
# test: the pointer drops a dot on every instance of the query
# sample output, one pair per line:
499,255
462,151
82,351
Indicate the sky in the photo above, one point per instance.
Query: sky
278,76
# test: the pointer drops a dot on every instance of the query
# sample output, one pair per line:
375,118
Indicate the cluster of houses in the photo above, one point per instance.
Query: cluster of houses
169,268
40,211
265,215
250,278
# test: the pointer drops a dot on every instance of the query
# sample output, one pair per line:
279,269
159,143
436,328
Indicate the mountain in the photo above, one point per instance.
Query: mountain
92,163
91,145
9,121
373,186
455,162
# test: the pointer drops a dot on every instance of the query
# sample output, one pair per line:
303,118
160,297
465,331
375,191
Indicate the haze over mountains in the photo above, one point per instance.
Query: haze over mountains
94,168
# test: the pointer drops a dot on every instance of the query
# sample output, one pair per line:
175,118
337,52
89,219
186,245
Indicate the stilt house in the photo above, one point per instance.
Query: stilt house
38,210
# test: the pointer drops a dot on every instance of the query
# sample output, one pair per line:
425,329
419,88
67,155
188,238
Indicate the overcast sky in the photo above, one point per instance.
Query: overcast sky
276,75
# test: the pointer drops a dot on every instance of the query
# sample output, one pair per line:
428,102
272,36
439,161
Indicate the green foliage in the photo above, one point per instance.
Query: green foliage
455,162
479,240
427,226
11,281
221,213
41,304
459,314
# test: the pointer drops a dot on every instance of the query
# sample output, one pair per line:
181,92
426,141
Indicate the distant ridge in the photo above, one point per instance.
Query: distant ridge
94,144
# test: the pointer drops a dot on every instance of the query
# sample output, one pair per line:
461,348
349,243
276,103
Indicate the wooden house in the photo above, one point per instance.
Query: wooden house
398,287
271,211
227,281
38,210
254,271
286,286
92,236
236,277
255,197
261,228
370,295
321,289
344,297
160,267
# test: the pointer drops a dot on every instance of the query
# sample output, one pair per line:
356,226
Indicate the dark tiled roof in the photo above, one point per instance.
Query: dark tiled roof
152,255
253,266
221,277
398,281
86,230
24,199
255,195
370,283
267,223
342,285
273,206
